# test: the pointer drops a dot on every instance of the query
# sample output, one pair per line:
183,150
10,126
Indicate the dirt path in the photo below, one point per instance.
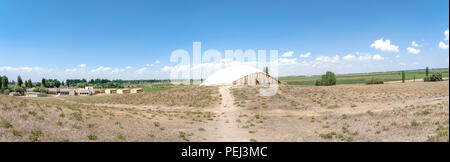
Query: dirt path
226,128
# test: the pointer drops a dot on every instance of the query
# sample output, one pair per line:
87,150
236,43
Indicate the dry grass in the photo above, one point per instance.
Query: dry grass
50,119
391,112
191,96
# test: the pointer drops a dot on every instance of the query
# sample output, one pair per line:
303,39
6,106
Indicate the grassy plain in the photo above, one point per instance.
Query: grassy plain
361,78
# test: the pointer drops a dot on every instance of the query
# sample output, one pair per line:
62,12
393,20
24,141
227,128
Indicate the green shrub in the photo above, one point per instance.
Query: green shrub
328,79
92,137
6,91
434,77
6,124
18,89
16,132
374,81
40,89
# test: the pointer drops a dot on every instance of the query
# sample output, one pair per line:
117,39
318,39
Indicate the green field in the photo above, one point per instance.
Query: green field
361,78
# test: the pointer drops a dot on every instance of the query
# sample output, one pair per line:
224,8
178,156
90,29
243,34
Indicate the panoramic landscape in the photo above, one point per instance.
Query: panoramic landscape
393,111
228,71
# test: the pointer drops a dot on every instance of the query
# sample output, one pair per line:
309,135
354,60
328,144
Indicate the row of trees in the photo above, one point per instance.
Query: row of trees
97,83
5,86
330,79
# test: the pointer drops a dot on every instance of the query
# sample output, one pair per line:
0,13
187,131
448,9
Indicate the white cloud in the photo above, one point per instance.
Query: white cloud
101,68
377,57
327,59
306,55
71,70
383,45
117,70
141,70
288,54
287,61
446,35
166,68
362,57
415,44
82,65
365,57
157,62
349,57
128,67
413,50
442,45
9,68
398,56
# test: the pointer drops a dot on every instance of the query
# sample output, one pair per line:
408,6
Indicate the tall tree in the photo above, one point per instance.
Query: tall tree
403,76
427,71
1,83
19,81
5,82
43,83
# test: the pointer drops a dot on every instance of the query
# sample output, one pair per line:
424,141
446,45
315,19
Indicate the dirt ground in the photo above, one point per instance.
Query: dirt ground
412,111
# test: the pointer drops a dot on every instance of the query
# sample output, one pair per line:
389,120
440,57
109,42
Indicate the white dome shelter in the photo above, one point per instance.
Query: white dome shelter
239,75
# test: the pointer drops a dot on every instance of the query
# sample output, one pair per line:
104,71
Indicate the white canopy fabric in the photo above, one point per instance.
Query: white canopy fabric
228,75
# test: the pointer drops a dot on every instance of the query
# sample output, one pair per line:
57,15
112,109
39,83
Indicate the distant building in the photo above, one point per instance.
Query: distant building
136,90
67,91
15,94
83,92
258,78
89,88
97,91
110,91
30,89
240,75
123,91
53,91
36,94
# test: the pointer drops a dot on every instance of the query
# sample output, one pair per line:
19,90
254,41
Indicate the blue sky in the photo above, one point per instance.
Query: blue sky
117,38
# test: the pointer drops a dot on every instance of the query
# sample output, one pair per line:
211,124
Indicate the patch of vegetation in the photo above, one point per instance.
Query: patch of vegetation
92,137
121,137
414,123
77,116
183,135
374,81
327,80
434,77
328,135
6,124
16,132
